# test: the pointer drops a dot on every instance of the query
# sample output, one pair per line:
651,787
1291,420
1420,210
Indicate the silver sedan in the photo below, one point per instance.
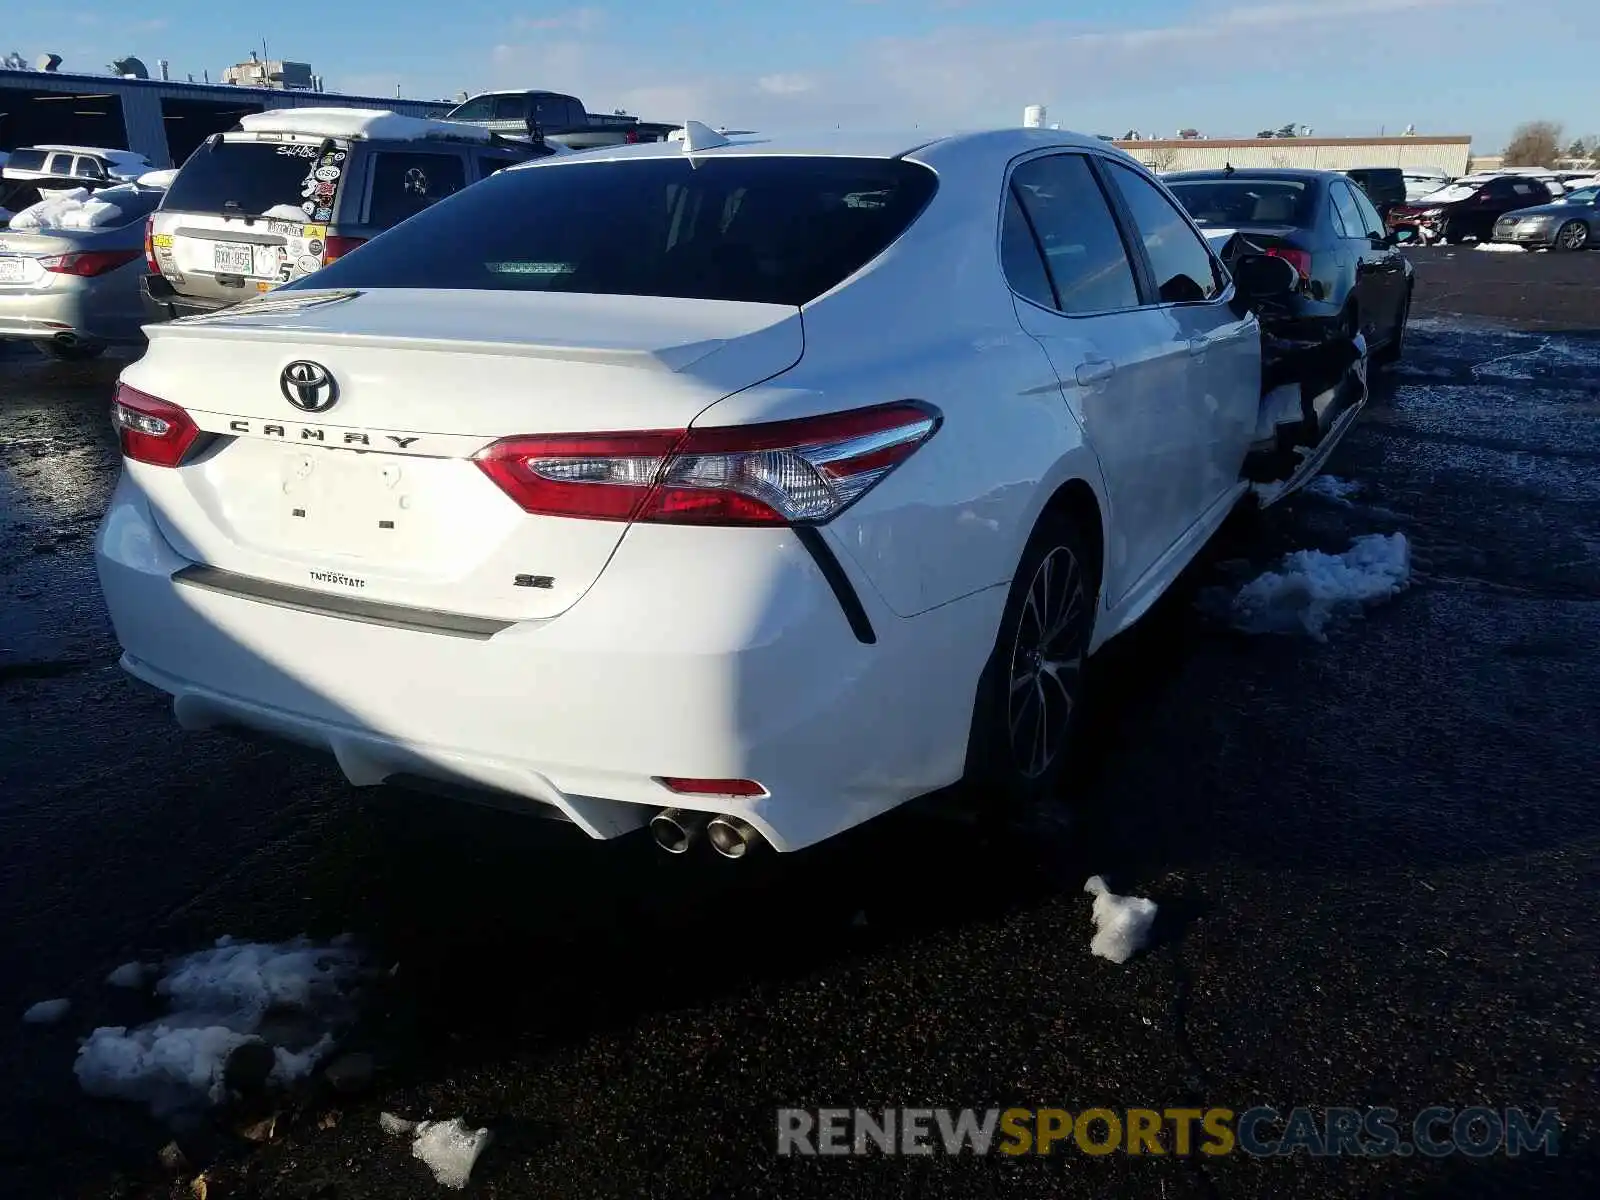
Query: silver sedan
74,291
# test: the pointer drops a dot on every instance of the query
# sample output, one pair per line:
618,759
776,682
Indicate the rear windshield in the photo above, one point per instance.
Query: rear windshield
1241,201
777,230
248,177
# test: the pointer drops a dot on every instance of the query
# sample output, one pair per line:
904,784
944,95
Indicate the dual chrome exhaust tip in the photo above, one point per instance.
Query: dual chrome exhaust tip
676,830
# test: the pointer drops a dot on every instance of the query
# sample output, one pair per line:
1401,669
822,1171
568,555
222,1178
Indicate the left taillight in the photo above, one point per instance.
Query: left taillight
336,247
802,472
88,263
151,430
153,266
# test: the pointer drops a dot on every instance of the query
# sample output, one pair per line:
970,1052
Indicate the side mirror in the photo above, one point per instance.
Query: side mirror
1264,277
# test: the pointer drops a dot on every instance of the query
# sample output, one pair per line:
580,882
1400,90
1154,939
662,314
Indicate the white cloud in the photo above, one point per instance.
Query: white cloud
963,75
574,20
785,84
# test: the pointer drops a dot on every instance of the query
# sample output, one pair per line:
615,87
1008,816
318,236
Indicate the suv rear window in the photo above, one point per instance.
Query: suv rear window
776,230
1240,201
247,177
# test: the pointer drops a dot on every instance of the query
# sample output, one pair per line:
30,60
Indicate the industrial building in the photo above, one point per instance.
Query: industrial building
1449,153
160,118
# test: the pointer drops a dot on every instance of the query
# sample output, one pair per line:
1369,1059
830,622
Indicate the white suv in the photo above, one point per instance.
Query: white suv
771,481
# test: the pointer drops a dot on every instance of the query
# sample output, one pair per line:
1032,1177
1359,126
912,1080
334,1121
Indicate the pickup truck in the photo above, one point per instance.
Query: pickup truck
556,117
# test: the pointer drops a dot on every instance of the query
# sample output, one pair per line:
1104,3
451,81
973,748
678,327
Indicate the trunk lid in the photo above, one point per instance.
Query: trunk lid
376,494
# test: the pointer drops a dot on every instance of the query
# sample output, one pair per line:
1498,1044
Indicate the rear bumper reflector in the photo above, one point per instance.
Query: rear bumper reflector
345,608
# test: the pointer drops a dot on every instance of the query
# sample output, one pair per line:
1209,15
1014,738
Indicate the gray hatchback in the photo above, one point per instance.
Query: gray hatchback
291,190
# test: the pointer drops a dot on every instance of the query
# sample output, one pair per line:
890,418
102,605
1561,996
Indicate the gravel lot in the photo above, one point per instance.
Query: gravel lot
1377,860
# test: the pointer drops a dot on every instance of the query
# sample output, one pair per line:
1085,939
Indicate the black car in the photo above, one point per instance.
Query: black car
1354,279
1468,209
1384,186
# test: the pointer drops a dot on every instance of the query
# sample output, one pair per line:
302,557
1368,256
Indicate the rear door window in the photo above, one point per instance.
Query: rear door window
510,108
1077,234
1184,268
245,177
60,164
1371,222
772,229
1344,203
1020,257
405,182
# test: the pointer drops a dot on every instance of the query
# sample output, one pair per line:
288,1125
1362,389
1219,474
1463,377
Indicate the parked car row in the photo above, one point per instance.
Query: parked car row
740,489
91,256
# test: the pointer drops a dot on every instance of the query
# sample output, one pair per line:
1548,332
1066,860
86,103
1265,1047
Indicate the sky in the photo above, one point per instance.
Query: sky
1227,68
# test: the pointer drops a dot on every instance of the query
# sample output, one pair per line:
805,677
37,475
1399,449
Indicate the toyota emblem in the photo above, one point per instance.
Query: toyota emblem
308,386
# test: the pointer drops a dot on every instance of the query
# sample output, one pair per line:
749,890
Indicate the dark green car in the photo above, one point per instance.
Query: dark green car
1570,223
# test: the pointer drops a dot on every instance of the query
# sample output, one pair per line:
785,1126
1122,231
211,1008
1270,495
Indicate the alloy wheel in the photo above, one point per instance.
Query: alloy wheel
1047,656
1574,235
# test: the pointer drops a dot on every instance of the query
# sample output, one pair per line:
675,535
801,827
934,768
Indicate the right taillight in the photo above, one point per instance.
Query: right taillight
335,248
151,430
150,245
802,472
1300,260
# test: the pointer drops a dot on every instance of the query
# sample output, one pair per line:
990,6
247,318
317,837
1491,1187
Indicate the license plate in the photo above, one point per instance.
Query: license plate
232,258
11,270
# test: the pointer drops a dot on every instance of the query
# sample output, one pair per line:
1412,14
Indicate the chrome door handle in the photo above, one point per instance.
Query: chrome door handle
1096,371
1199,345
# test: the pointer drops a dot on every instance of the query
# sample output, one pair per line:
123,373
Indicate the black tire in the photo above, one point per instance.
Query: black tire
1014,760
73,352
1395,346
1572,236
1454,234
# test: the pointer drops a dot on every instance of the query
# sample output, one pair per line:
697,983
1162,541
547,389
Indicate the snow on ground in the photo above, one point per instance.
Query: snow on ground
1121,923
128,975
46,1012
449,1148
222,999
1501,247
359,123
74,208
1310,589
1331,487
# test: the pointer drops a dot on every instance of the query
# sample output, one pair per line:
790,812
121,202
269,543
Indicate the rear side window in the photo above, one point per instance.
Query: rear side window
1077,234
27,160
405,183
1372,223
1184,268
1020,258
557,112
247,177
510,108
775,230
1349,217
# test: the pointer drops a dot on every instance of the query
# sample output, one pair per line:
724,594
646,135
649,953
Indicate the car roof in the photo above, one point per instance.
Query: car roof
974,149
1303,174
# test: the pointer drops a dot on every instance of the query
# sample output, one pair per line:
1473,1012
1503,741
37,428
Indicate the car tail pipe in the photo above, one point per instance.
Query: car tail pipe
677,829
733,837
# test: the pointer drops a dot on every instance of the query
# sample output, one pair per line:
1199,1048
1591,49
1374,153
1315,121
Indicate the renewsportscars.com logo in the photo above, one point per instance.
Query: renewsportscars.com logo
1264,1132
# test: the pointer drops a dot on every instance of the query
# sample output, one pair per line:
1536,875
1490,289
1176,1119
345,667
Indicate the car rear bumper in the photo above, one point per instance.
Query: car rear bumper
720,657
70,310
162,302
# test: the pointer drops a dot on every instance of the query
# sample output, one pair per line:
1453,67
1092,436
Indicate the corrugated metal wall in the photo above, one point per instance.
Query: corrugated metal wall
1326,154
141,102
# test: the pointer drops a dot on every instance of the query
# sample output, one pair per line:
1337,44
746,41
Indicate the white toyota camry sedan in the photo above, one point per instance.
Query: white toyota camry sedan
741,488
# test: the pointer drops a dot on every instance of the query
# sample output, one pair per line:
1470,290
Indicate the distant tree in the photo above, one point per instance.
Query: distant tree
1534,144
1266,133
1162,160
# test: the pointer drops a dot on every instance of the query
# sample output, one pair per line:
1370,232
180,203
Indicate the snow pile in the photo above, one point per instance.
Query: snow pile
1121,923
359,123
223,999
74,208
1331,487
1500,247
285,212
1309,588
449,1148
158,179
128,975
46,1012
